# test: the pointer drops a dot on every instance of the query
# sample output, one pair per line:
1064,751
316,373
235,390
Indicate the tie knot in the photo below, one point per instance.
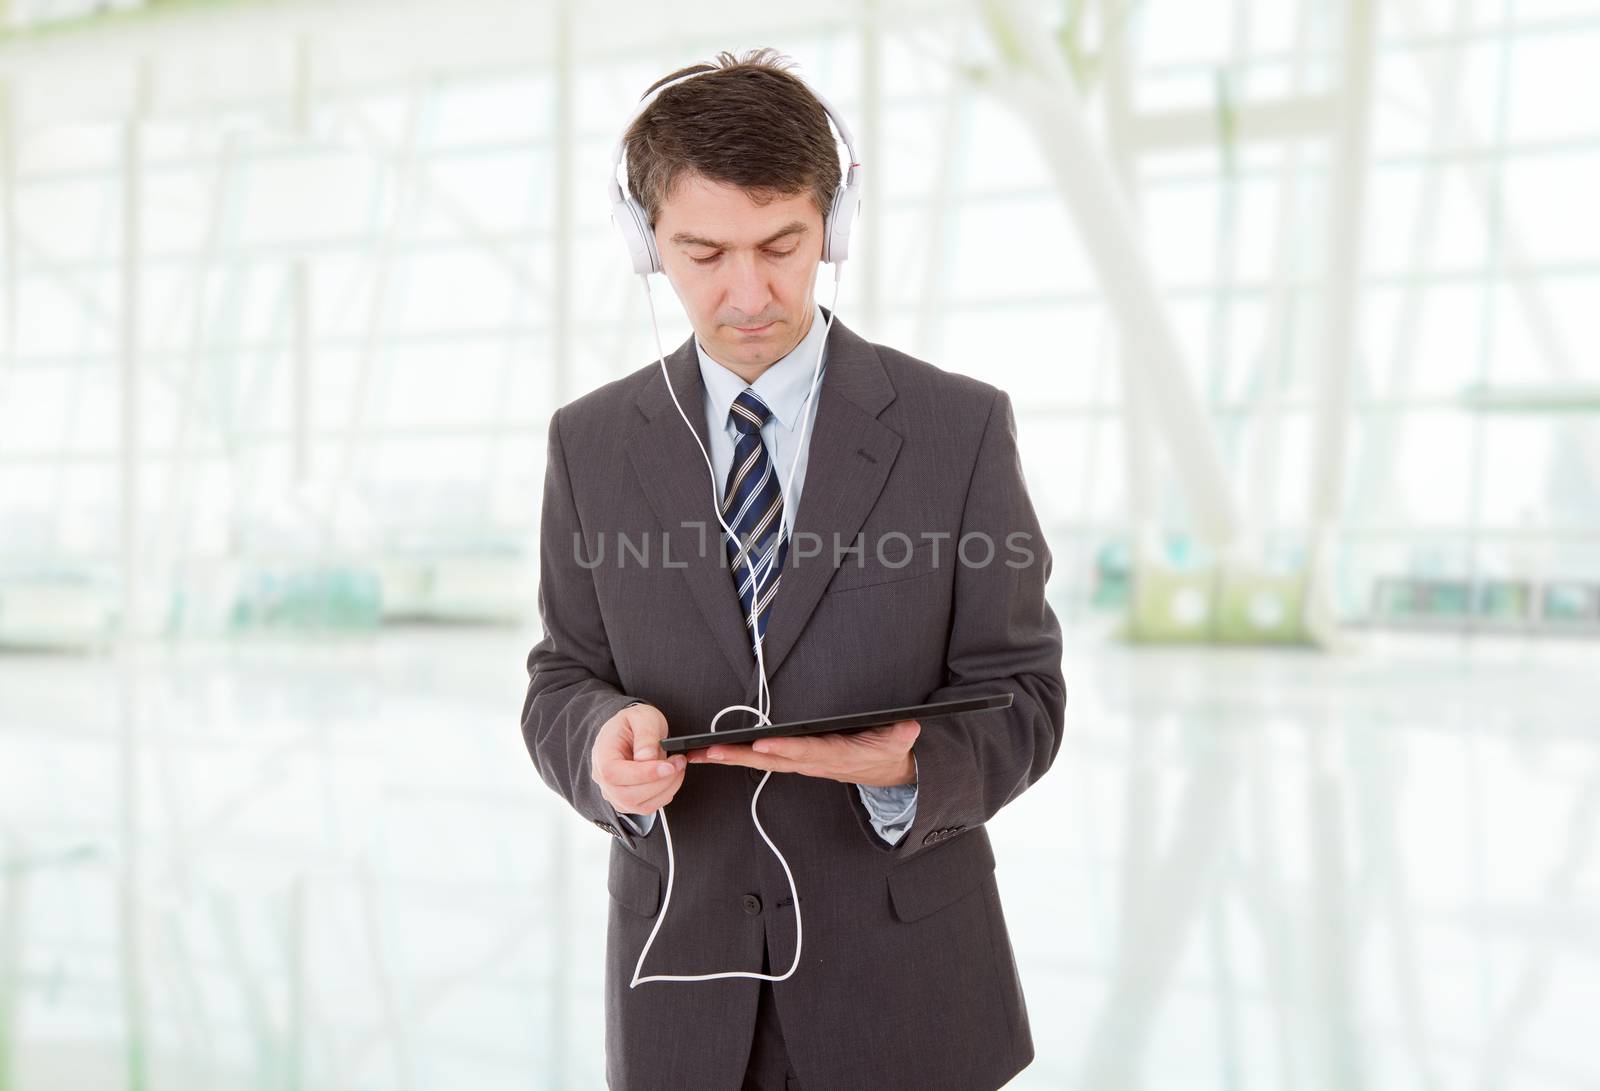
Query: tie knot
749,412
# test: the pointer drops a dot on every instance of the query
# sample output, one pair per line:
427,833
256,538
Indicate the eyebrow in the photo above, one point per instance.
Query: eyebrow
795,227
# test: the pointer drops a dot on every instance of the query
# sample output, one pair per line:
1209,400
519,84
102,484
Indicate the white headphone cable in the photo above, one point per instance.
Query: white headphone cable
763,691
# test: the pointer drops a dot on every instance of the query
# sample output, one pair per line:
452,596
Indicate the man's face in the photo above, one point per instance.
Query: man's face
744,272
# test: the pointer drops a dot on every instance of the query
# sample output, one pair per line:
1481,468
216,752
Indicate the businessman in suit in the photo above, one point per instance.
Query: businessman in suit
910,568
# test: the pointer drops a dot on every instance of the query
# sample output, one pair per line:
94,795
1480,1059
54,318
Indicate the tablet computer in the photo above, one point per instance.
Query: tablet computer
852,721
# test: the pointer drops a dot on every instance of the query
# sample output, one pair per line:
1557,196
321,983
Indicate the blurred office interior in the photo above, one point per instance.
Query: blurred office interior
1297,303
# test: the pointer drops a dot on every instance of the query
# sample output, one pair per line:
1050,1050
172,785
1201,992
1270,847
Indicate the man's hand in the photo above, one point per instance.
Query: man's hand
877,758
634,774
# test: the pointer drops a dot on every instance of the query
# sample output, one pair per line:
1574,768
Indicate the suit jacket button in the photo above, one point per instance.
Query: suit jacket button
752,904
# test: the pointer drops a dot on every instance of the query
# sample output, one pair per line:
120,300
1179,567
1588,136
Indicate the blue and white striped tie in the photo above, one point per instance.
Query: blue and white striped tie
753,506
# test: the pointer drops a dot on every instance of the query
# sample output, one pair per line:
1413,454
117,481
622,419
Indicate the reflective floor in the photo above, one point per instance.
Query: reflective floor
330,864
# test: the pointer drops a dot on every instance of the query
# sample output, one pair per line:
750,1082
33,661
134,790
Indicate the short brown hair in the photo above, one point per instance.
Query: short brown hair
747,123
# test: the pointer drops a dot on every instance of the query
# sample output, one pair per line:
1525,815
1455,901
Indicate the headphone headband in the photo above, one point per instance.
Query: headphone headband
639,236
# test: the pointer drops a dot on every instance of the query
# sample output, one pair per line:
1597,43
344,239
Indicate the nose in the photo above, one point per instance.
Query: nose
748,290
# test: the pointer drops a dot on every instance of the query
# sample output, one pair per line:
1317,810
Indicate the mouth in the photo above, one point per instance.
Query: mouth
754,330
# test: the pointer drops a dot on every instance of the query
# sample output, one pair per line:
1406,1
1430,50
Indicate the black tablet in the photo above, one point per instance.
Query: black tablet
854,721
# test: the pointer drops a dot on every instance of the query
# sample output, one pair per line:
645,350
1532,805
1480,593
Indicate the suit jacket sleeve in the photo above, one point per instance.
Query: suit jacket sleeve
573,687
1004,638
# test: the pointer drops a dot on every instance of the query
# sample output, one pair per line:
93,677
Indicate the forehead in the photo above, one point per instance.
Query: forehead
702,212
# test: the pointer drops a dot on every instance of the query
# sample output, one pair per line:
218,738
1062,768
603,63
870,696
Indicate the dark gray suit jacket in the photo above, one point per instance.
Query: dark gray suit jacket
907,978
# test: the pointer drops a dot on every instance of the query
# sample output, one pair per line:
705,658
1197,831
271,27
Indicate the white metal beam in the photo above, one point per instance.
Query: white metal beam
1046,97
1137,431
300,289
8,238
869,224
384,259
563,124
131,629
1554,347
942,212
1276,349
1271,121
1341,304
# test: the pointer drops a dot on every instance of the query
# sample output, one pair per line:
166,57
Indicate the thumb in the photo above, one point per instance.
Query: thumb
906,731
649,728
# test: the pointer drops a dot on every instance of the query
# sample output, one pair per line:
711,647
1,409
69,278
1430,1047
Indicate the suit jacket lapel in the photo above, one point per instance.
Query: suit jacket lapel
851,454
675,479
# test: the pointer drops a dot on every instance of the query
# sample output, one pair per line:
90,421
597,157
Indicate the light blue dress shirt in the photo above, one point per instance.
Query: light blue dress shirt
783,387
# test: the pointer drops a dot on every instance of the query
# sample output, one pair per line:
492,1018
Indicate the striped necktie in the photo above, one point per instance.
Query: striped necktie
752,506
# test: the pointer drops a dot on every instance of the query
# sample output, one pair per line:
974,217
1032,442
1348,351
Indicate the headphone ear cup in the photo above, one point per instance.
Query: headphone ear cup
634,228
841,217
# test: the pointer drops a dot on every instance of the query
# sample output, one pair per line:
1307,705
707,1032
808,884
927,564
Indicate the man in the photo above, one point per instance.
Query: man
913,570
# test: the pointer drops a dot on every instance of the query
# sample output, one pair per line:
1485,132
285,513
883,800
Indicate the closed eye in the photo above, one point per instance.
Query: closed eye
770,254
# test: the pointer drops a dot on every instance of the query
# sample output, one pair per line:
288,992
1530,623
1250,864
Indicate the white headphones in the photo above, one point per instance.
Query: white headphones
640,238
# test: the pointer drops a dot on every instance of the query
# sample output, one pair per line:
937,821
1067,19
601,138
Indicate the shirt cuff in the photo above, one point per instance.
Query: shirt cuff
641,823
891,809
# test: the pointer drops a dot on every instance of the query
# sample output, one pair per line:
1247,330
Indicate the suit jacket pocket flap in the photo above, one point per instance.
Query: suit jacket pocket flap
895,561
634,883
935,877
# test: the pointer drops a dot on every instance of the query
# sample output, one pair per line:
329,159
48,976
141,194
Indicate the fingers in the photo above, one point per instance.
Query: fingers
821,748
905,731
900,730
733,754
806,748
651,804
635,798
620,772
628,751
844,756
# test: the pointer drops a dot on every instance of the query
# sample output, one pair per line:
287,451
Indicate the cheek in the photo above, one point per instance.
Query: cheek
793,284
701,293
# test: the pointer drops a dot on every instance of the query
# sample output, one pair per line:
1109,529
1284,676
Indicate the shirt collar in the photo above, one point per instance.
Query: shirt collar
782,386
